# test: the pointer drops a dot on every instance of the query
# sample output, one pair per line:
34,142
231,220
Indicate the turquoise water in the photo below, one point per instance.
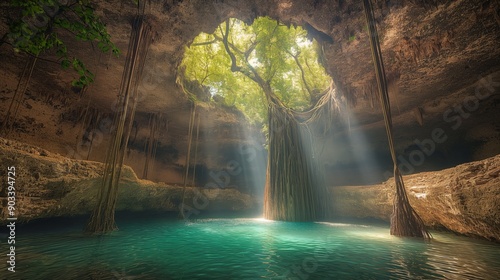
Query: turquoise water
162,248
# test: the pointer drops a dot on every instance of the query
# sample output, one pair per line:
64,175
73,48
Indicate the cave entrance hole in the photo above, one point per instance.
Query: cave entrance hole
275,75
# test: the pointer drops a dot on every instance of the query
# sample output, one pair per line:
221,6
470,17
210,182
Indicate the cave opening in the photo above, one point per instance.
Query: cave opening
273,73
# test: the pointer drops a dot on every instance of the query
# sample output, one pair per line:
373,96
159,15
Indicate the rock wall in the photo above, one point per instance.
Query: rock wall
49,185
437,57
464,199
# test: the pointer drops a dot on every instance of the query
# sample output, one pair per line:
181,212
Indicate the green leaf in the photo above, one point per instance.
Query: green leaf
209,65
86,26
65,63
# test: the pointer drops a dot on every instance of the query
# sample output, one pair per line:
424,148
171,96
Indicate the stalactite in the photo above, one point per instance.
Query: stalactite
418,112
102,219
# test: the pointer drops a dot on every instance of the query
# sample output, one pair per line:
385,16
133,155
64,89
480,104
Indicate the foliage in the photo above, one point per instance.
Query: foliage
269,71
278,53
40,24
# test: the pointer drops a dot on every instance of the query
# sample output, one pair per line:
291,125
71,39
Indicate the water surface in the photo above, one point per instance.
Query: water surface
163,248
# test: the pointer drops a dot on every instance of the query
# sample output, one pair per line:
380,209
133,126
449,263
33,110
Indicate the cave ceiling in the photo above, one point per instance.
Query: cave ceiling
431,49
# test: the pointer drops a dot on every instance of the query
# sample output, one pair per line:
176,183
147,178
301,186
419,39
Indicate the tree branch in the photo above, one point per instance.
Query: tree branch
252,74
32,55
204,43
234,65
296,58
250,49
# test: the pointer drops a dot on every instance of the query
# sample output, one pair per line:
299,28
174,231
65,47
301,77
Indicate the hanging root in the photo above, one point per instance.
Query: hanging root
17,99
294,190
103,216
404,220
188,158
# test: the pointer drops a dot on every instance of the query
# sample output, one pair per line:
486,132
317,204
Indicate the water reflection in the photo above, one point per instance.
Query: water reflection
411,259
251,249
470,260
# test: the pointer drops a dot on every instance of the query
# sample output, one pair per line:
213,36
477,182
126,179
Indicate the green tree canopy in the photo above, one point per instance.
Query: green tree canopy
270,72
281,55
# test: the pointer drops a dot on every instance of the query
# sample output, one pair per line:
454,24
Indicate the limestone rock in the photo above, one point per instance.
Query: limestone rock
55,186
464,199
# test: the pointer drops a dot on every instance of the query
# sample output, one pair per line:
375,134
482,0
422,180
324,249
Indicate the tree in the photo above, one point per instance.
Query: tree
41,25
271,73
38,26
